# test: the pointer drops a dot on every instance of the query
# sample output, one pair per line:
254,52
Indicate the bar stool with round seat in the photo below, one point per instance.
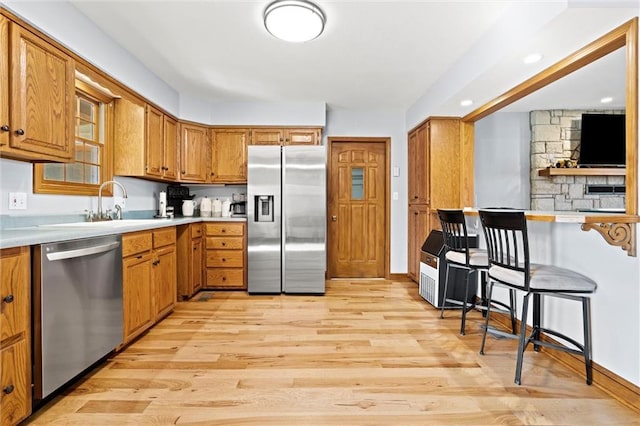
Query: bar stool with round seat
509,266
471,260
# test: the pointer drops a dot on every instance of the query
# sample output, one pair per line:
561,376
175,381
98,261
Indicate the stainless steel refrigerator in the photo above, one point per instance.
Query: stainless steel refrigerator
286,217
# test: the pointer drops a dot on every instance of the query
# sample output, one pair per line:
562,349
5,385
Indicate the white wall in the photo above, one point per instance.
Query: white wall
502,153
382,123
614,305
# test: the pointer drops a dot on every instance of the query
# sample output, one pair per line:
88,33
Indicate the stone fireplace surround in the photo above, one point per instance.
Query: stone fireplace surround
555,135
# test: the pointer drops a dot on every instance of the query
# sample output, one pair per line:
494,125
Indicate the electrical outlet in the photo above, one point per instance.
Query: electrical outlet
17,201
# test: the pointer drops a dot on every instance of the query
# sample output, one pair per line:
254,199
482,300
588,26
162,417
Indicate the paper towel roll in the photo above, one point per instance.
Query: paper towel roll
162,204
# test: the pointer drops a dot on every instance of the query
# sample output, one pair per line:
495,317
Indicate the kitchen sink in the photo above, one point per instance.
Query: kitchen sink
102,224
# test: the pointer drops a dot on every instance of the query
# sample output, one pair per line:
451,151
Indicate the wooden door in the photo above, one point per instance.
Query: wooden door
42,81
357,210
136,294
267,136
171,137
194,153
229,155
154,142
4,82
164,280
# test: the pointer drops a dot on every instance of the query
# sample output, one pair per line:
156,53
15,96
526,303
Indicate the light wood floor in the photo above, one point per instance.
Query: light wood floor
367,353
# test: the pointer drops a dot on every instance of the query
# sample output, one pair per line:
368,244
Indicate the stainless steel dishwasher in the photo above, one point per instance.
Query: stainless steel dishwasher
77,301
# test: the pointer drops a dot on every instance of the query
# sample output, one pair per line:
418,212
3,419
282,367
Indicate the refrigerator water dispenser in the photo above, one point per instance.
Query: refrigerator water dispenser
264,208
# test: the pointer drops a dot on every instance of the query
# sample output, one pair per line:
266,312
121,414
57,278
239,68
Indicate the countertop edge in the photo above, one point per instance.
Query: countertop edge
34,235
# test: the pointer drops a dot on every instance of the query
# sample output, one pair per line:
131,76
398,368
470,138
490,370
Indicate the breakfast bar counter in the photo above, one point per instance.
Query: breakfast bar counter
616,228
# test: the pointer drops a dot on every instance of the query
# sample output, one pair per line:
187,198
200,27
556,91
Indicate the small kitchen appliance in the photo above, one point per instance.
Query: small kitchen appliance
176,194
238,205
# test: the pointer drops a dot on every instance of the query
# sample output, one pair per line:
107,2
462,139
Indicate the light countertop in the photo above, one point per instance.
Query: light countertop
41,234
570,217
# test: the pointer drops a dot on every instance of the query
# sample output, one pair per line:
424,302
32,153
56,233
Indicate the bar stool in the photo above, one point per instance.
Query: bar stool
508,251
459,255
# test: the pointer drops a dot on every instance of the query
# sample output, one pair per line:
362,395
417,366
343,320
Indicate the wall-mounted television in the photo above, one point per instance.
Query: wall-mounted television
602,140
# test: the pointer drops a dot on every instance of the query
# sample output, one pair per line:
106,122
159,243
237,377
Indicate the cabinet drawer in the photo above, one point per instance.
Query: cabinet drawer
221,277
225,228
164,236
196,230
225,243
15,305
136,242
225,259
15,383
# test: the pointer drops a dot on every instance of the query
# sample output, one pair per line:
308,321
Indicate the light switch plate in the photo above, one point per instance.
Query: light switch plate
17,201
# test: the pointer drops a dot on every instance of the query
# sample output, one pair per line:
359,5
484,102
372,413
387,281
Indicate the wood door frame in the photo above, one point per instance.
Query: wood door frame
387,188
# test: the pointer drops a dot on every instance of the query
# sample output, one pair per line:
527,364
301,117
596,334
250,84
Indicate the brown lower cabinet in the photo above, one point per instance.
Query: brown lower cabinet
190,252
15,328
419,224
149,284
225,256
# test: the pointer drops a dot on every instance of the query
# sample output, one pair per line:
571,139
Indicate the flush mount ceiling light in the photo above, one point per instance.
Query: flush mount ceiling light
606,100
294,20
532,58
466,102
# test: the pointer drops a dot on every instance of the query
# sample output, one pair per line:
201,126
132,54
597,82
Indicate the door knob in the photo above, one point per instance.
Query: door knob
334,218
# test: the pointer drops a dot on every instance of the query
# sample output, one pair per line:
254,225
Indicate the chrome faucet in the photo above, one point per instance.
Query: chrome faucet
124,195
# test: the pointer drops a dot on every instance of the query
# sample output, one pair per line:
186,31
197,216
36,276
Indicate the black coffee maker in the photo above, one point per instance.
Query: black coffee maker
176,194
239,205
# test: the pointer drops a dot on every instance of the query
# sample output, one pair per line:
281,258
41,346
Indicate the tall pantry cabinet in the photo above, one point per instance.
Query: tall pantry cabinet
435,180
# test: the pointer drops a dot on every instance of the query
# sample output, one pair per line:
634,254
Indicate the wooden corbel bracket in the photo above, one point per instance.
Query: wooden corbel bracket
616,234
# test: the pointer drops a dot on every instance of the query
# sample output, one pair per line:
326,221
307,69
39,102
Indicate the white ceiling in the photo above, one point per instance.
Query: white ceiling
372,55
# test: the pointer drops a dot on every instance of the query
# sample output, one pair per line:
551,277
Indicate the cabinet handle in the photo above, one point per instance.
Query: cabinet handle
224,244
20,132
224,278
8,389
183,172
195,248
8,298
224,260
222,231
4,128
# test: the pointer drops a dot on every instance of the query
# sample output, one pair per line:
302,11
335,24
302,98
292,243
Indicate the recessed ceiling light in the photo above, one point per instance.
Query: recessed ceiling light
532,58
466,102
294,20
606,100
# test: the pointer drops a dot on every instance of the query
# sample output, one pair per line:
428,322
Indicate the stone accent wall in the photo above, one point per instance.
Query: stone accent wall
555,135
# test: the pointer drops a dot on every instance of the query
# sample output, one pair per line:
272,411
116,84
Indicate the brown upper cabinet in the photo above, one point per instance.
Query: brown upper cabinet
194,153
419,166
286,136
36,97
229,155
146,141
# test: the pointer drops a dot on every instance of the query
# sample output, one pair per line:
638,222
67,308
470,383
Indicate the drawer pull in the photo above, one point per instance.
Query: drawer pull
20,132
224,278
8,299
223,230
224,260
7,390
224,244
4,128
